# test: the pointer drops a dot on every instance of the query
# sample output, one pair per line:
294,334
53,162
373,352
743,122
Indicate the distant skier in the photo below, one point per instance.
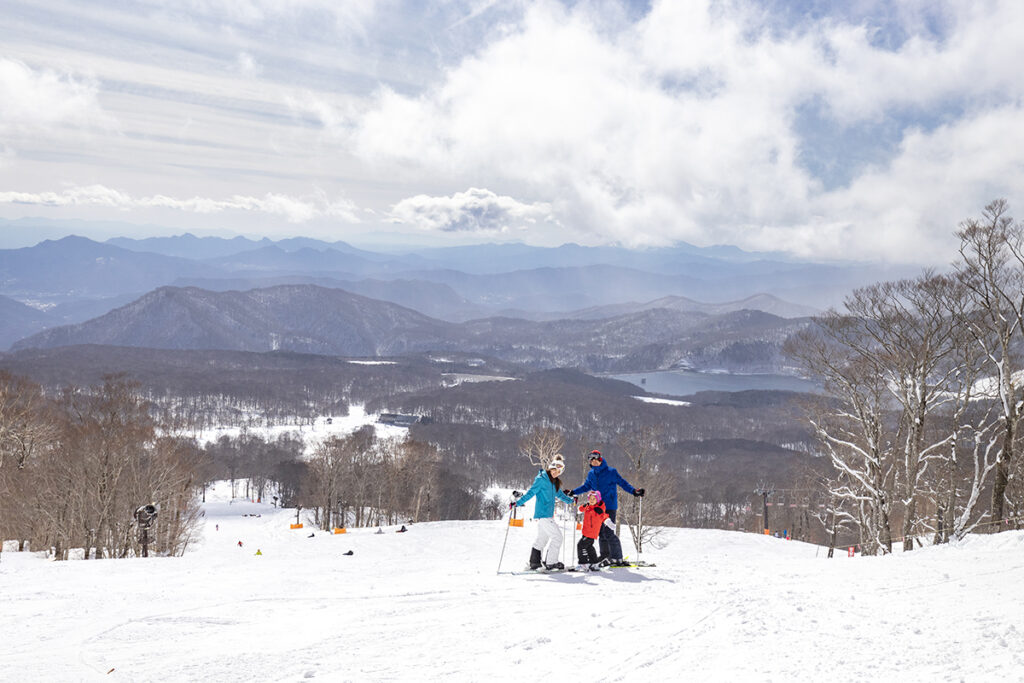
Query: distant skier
594,518
606,480
546,487
402,530
239,544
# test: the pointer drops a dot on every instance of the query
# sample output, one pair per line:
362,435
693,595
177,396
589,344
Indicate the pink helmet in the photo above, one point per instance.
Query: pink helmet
595,493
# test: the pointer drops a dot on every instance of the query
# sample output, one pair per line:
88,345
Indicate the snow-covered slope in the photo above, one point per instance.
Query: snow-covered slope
429,604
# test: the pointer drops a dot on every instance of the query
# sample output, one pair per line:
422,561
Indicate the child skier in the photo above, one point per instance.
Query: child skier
546,487
594,516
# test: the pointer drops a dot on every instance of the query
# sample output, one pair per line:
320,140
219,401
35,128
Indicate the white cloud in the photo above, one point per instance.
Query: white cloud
346,15
247,65
475,210
689,122
43,100
683,126
293,209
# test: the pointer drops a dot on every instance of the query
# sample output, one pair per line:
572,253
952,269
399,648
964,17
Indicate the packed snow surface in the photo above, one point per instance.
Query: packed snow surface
430,604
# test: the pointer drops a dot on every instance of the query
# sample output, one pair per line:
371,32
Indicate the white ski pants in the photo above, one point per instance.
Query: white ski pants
548,534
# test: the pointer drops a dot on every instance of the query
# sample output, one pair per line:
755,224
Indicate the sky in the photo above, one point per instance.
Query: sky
854,130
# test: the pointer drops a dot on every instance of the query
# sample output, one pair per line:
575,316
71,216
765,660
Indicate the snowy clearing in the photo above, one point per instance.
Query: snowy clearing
665,401
427,604
455,378
312,434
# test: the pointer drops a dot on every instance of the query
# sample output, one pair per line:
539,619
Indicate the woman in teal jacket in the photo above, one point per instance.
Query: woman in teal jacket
546,488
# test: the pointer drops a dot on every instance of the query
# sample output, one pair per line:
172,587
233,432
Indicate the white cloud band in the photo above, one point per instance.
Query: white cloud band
294,210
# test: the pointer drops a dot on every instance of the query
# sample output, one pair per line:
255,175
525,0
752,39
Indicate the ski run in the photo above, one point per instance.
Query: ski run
430,604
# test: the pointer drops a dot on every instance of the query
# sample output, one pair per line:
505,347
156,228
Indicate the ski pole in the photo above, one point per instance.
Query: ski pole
565,516
639,528
575,521
511,516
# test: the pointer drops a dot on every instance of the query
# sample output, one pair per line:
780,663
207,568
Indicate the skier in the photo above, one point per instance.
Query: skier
546,487
606,480
594,517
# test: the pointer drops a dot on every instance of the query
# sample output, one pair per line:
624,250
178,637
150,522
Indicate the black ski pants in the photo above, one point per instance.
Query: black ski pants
586,552
611,547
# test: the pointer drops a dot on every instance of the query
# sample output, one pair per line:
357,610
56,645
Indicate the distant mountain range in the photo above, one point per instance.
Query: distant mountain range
312,319
74,280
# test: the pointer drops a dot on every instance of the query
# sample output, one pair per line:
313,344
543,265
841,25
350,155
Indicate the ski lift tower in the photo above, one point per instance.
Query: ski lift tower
764,490
145,515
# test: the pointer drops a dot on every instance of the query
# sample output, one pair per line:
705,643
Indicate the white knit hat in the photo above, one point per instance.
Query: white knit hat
557,461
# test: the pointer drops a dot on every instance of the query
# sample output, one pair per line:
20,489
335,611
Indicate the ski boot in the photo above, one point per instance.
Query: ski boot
534,559
554,566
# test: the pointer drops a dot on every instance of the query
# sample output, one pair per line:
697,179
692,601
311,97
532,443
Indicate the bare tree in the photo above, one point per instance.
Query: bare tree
907,337
991,270
643,450
972,423
541,445
327,467
27,431
853,427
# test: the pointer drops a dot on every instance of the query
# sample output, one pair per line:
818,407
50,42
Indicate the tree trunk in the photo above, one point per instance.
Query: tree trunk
1002,476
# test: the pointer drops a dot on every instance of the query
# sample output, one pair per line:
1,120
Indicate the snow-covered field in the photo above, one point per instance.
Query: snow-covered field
429,604
313,434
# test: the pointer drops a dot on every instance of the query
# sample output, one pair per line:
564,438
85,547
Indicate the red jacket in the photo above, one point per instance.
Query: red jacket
593,518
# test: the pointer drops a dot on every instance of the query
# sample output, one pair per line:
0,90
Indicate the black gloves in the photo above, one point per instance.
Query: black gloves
567,492
511,505
639,493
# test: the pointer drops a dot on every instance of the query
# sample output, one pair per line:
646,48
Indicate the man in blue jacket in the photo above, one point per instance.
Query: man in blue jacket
606,479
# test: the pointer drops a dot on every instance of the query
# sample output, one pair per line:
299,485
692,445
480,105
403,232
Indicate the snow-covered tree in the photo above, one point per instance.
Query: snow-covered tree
991,270
854,427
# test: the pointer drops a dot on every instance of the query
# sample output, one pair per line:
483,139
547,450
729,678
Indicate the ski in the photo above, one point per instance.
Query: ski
542,572
630,564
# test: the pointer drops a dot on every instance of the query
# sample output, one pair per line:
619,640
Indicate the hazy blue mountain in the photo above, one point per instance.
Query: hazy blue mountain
497,258
290,317
76,267
456,283
80,310
314,319
433,299
28,232
189,246
305,261
758,302
18,320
